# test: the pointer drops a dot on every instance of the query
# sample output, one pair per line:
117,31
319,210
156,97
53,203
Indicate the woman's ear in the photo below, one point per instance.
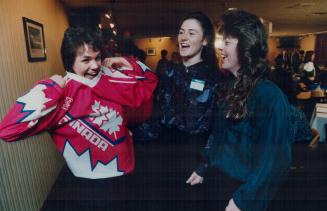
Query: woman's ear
204,42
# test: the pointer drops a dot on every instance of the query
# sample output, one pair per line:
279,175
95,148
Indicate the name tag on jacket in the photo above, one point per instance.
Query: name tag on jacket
197,84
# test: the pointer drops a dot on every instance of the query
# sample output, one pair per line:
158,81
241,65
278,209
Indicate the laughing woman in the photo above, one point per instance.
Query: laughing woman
188,89
250,141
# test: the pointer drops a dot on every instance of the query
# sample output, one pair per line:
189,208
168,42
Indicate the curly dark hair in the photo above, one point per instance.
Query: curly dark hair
76,37
252,52
208,53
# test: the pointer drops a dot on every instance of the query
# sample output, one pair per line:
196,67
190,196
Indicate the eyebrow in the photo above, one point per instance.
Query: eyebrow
191,30
194,30
86,57
90,57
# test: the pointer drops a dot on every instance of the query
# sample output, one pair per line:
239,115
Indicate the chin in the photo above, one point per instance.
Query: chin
182,54
226,67
89,77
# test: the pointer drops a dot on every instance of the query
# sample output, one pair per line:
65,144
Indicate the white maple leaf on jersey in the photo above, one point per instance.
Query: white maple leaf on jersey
98,112
95,108
114,123
108,120
34,102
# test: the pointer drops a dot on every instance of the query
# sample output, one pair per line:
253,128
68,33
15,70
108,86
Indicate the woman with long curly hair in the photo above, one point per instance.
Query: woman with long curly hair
250,141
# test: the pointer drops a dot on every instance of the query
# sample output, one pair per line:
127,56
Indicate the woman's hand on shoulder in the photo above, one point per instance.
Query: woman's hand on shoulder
232,206
116,63
59,80
194,179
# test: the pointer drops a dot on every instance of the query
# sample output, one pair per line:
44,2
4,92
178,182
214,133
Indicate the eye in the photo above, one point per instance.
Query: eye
181,32
98,58
85,61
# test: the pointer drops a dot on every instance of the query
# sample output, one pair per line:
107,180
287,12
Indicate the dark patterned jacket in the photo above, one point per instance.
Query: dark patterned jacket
187,97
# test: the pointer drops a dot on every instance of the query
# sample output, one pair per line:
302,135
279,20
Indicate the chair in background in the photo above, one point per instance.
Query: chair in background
318,95
304,94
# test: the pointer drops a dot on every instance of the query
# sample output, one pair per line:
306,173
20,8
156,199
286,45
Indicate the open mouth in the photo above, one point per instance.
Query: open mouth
223,58
184,46
90,75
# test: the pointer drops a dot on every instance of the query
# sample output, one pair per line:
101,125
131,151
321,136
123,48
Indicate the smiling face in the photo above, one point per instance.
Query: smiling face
191,41
229,55
87,62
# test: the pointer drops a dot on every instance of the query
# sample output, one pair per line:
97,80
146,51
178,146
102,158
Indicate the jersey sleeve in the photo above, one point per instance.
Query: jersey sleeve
132,89
22,119
139,114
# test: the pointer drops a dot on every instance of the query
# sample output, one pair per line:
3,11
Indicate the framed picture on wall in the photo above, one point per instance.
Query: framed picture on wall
150,51
34,39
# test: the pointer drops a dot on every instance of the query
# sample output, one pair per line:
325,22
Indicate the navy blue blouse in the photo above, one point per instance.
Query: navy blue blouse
255,150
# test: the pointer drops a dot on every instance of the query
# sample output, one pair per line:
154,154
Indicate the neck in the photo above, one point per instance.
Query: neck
188,61
234,70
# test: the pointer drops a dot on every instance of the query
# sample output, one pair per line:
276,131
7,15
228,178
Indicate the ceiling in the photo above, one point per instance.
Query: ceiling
151,18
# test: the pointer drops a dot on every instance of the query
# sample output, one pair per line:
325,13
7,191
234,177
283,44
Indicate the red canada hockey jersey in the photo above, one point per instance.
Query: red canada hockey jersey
85,118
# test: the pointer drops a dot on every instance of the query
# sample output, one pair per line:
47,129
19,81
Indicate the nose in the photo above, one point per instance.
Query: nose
94,65
183,37
220,44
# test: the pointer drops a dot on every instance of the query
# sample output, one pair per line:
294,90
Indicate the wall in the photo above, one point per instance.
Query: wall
28,168
168,43
273,50
307,42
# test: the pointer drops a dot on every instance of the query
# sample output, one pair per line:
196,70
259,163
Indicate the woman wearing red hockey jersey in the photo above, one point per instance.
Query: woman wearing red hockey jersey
84,111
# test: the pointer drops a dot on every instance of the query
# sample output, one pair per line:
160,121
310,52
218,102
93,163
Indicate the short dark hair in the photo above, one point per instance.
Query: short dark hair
164,53
76,37
308,56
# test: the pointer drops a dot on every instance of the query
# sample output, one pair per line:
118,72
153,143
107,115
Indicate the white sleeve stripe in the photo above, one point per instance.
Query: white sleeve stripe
124,82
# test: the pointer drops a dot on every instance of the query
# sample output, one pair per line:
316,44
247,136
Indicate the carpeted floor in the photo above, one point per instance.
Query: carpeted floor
158,184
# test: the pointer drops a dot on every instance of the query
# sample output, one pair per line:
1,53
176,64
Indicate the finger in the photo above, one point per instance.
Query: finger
107,62
195,182
125,63
199,180
190,179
